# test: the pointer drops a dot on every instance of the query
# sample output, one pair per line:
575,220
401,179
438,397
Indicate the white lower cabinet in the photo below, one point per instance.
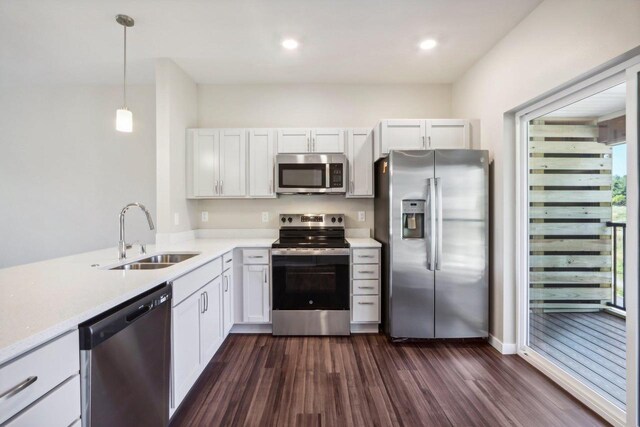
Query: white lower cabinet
365,286
227,300
255,281
211,332
185,318
197,326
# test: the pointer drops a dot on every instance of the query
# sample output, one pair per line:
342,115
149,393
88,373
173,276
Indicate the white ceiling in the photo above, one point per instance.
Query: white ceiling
342,41
601,104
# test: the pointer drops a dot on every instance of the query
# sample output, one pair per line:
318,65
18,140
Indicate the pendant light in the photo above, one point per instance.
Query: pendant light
124,117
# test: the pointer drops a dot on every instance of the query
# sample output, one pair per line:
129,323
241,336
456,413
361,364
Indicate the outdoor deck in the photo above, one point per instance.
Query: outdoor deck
589,346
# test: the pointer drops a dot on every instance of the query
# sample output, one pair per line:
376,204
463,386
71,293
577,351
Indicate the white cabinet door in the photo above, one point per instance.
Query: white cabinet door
211,333
255,280
233,163
227,298
404,134
360,154
448,133
205,161
294,140
261,163
185,319
327,141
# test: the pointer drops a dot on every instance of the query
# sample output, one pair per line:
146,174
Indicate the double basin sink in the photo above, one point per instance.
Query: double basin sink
155,262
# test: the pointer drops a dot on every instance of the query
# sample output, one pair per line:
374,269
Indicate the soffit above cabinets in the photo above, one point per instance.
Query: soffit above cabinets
355,41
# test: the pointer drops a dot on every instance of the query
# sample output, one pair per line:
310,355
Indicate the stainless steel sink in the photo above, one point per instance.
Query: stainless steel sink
166,258
142,266
155,262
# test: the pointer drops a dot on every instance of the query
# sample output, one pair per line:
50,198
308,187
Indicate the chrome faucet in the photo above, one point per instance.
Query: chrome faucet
123,245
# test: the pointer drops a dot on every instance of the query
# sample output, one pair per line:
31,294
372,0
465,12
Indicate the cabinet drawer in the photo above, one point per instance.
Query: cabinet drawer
366,287
194,280
60,408
365,271
365,308
255,256
366,256
44,368
227,261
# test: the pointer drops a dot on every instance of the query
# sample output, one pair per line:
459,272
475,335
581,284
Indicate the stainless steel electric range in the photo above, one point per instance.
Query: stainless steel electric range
310,265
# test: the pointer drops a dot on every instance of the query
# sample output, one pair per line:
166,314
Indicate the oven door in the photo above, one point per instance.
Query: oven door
310,279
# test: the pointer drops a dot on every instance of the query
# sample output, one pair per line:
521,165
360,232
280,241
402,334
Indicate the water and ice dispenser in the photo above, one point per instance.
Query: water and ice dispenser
413,218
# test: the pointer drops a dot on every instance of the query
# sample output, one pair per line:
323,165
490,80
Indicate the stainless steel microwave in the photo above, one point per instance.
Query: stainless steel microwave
311,173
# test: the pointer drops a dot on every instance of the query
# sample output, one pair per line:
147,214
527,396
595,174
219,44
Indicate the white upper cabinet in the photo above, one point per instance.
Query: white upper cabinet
421,134
327,141
202,162
319,140
216,163
406,134
261,153
233,160
294,140
448,133
360,155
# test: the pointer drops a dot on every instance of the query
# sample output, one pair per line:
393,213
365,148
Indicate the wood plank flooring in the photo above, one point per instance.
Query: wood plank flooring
364,380
590,346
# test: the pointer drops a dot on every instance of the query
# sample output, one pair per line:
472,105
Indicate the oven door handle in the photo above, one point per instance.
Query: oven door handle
310,252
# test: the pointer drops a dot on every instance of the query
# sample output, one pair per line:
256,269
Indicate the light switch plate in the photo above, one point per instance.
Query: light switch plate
265,216
361,216
176,218
205,216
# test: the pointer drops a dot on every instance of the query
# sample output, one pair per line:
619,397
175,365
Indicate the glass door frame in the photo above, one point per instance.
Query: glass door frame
626,71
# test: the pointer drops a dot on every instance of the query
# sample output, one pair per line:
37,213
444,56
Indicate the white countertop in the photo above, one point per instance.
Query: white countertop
42,300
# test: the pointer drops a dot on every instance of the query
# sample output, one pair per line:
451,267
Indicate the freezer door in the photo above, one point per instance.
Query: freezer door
461,290
411,287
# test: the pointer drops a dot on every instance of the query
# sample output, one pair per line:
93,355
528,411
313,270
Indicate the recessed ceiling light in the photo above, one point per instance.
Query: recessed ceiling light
290,44
428,44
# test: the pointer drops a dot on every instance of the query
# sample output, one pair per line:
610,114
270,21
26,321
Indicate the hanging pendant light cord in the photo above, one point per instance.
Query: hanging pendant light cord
124,84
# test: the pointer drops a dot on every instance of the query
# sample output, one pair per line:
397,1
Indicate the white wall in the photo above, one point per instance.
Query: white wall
308,105
558,41
176,110
65,172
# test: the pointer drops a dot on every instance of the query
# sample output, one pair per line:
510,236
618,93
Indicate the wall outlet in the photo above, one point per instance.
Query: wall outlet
361,216
176,218
265,216
205,216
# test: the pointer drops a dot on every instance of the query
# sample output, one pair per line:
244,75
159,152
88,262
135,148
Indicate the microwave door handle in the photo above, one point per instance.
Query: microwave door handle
432,225
327,177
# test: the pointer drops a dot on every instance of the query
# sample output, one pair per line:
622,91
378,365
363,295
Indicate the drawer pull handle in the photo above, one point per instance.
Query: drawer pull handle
365,303
365,287
18,388
365,256
366,272
255,256
228,261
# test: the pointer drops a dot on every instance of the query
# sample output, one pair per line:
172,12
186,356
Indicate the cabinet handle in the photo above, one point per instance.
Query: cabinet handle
215,188
365,287
202,310
228,261
206,299
255,256
221,187
365,303
366,272
351,187
265,276
17,388
429,142
313,144
308,144
226,283
365,256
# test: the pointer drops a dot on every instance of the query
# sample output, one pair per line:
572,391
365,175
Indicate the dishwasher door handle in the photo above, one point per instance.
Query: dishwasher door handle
141,311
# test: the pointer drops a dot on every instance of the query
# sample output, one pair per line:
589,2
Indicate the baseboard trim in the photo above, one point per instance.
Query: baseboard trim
504,348
252,328
364,328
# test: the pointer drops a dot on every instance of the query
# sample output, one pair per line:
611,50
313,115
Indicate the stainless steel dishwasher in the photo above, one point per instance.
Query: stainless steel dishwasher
125,356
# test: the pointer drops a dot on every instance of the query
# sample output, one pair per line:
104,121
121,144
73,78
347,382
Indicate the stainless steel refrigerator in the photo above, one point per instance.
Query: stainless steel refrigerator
432,218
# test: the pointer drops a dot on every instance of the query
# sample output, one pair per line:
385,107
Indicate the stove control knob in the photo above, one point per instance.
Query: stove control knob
333,219
290,219
340,219
283,219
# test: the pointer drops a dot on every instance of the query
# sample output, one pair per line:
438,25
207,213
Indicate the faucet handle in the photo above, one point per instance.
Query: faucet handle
143,249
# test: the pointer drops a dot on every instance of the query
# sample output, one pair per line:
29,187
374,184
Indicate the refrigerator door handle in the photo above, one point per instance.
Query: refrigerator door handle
439,218
431,256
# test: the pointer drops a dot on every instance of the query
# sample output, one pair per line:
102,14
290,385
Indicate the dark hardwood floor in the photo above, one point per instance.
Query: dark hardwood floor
364,380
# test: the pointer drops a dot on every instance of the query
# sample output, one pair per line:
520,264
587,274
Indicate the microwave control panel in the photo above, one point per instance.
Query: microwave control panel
336,177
